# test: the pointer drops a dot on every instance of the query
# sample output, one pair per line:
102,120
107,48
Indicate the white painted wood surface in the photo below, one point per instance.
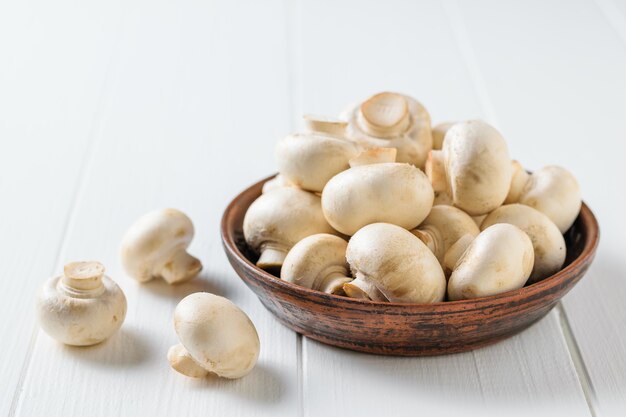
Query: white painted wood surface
110,110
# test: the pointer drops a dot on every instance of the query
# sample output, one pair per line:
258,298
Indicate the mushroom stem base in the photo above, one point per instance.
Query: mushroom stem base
181,361
180,268
271,258
334,285
361,289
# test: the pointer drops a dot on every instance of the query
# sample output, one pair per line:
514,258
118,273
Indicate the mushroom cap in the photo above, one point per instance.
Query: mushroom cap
445,225
394,193
283,217
309,160
218,335
499,259
548,242
397,263
395,120
477,166
519,178
439,133
555,192
81,317
314,259
152,240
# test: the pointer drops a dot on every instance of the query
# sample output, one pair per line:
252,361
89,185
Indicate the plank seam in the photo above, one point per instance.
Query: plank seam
614,16
579,364
93,138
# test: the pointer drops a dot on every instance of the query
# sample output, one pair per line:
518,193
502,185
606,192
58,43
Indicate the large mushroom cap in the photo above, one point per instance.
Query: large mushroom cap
392,120
308,160
217,334
279,219
499,259
555,192
394,193
317,262
473,166
397,263
547,240
155,245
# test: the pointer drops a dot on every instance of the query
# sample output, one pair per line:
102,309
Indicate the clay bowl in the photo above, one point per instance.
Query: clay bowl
405,329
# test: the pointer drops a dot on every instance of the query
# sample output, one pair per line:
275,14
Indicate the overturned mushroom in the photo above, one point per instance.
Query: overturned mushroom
215,337
552,190
443,227
473,167
395,120
156,246
279,219
82,307
390,264
547,240
318,262
388,192
499,259
308,160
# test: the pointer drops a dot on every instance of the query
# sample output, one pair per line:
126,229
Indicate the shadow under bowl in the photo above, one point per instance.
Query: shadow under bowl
405,329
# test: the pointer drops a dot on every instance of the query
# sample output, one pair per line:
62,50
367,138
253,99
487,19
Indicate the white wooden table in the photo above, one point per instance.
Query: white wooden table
110,109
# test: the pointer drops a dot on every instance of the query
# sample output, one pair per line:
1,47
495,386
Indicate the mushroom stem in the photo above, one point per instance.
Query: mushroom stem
181,361
333,283
362,289
436,171
385,115
271,257
427,237
455,252
326,125
374,156
181,267
83,277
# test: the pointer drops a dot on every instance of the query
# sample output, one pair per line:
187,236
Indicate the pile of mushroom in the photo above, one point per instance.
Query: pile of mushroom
379,205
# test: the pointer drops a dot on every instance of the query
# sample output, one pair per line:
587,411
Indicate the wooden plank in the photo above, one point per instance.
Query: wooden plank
567,78
413,47
198,100
51,84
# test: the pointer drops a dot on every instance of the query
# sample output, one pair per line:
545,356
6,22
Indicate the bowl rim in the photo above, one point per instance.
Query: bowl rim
589,221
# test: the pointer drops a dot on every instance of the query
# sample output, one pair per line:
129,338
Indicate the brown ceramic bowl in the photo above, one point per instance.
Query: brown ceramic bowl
405,329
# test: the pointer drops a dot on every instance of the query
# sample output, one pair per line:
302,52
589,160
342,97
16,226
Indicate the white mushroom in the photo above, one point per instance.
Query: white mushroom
443,227
278,181
390,264
318,262
473,167
519,178
388,120
548,242
308,160
156,246
215,337
499,259
439,133
279,219
552,190
387,192
82,307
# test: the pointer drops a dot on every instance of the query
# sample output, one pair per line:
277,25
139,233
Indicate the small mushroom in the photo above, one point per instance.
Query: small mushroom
552,190
390,264
443,227
392,120
279,219
308,160
473,167
215,337
318,262
499,259
548,242
156,246
388,192
82,307
439,133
